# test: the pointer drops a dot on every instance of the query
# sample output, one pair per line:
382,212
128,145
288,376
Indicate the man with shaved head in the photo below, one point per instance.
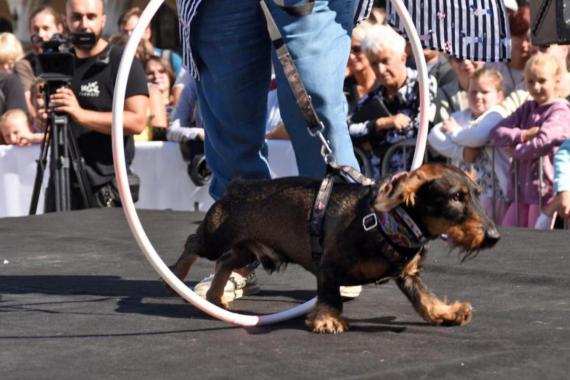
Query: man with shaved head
88,103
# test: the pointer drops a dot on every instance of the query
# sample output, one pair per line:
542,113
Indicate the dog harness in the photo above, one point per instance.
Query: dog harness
345,173
404,237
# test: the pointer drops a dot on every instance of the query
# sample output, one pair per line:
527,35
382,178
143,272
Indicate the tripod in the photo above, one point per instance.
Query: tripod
64,155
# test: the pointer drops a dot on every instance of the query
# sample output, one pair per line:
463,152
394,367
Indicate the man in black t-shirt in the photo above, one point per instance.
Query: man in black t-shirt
88,102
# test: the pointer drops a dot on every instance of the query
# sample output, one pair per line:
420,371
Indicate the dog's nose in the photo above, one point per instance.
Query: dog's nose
492,236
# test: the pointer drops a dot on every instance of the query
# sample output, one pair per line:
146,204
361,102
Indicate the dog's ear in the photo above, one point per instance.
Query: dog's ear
400,189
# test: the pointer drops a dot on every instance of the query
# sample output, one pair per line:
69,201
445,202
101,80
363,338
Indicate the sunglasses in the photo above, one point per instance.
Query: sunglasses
356,49
159,71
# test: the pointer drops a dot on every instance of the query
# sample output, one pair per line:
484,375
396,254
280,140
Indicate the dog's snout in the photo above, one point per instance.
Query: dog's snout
492,236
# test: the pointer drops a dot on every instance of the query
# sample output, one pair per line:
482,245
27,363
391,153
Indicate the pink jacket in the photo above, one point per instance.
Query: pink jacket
554,121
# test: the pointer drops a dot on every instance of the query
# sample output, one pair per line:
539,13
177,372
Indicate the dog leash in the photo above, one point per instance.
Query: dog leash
389,224
314,125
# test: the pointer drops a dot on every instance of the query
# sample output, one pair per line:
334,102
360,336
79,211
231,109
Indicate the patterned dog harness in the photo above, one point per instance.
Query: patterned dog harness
404,237
345,173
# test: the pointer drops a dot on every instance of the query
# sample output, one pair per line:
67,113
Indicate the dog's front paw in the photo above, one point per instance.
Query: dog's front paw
457,314
168,287
218,301
325,320
170,291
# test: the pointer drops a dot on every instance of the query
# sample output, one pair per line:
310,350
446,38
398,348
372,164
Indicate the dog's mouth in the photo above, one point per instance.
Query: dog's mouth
464,253
471,245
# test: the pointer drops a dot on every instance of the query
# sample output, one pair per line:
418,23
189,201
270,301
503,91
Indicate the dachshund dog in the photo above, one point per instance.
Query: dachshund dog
370,234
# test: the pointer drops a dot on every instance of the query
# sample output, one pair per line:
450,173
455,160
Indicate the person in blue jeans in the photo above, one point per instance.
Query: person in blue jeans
228,50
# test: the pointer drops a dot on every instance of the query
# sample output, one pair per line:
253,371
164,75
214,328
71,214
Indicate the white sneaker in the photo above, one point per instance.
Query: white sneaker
236,287
350,292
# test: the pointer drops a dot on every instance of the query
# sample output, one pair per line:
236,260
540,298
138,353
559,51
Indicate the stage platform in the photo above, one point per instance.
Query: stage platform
78,300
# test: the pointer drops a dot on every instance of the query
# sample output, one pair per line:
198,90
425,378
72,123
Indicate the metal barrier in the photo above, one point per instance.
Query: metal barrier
407,148
516,201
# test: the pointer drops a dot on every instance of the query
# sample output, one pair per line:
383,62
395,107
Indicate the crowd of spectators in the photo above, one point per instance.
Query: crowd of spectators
487,117
503,120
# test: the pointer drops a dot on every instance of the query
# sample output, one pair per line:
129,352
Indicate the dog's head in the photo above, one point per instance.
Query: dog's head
443,200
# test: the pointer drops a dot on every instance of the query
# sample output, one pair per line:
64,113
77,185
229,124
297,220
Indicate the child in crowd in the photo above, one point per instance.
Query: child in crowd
534,131
485,90
561,204
15,129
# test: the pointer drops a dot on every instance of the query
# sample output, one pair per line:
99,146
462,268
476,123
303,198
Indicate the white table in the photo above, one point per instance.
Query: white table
165,183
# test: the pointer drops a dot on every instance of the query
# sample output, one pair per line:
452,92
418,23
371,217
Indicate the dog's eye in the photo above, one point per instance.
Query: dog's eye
457,197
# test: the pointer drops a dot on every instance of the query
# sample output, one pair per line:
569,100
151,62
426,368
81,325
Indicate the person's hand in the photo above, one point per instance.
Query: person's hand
157,108
563,199
201,135
449,125
64,100
529,134
470,154
401,121
25,137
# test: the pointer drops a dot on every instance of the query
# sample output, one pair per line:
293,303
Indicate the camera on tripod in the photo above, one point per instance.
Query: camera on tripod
57,60
56,70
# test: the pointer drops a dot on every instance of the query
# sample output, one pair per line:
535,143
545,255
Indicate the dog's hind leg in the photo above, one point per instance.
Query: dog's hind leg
432,309
188,257
326,316
238,257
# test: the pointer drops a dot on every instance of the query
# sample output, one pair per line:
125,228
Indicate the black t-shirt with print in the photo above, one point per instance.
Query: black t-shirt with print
93,84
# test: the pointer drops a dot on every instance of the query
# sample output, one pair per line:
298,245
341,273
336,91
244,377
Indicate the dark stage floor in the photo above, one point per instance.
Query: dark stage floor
79,300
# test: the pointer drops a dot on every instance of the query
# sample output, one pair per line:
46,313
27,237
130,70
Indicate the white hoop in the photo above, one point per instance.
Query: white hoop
126,198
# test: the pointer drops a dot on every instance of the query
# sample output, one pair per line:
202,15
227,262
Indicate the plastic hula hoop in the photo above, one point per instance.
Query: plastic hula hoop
126,198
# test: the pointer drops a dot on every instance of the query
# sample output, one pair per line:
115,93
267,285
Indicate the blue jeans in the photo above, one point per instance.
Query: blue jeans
234,55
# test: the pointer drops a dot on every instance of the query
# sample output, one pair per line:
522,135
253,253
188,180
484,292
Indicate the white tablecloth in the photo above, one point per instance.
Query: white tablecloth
165,183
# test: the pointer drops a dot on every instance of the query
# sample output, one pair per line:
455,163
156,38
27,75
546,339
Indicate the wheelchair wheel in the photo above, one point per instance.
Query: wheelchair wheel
398,158
199,171
363,162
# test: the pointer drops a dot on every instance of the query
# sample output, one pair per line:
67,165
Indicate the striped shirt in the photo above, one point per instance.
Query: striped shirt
466,29
187,10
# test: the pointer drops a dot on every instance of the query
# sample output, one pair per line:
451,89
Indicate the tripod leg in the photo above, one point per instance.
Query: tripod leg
79,169
40,170
60,163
